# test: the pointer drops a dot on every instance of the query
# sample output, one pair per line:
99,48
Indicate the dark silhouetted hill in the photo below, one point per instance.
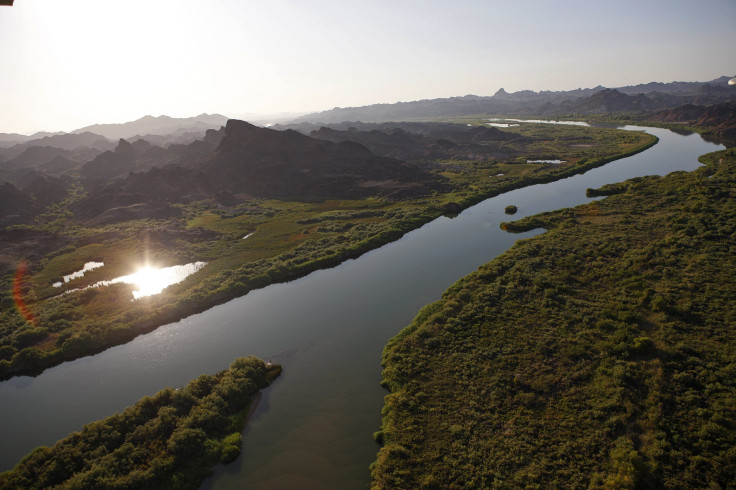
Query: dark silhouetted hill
245,160
44,189
16,206
140,155
416,142
610,100
289,165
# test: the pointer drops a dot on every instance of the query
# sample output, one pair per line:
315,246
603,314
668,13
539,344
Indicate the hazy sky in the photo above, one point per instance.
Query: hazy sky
65,64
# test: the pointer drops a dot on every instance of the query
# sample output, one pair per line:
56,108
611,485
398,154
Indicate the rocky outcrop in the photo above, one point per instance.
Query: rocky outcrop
289,165
718,119
611,100
248,161
140,155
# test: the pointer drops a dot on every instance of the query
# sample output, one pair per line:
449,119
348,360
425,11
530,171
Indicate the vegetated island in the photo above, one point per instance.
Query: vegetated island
304,202
171,440
599,354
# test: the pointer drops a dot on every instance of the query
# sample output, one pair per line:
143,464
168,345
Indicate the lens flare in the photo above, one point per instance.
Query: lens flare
20,303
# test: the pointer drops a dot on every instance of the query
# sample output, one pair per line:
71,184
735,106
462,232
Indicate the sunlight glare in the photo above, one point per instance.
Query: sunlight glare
150,281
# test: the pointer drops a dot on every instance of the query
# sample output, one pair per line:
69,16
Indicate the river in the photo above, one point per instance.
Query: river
313,427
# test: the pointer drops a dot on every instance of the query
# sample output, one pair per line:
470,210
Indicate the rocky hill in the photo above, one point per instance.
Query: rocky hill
15,205
611,100
247,161
141,155
719,118
67,142
289,165
417,142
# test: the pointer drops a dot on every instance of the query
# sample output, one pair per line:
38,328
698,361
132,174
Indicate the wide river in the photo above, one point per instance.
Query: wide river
313,427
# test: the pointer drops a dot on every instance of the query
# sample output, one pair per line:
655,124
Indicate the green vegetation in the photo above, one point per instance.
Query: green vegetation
171,440
40,328
600,354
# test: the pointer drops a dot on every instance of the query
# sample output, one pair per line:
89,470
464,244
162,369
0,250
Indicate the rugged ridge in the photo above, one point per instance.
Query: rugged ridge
526,102
289,165
720,118
241,159
156,125
441,141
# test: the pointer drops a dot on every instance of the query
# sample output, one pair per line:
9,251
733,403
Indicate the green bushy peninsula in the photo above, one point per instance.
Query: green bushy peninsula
600,354
170,440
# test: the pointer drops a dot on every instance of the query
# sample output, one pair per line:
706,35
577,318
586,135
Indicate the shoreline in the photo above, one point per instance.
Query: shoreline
34,365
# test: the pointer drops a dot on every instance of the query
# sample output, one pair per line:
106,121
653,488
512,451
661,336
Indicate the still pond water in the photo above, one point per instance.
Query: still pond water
313,428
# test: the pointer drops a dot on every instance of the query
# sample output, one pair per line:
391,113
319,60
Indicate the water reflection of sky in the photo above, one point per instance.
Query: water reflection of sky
76,275
540,121
501,125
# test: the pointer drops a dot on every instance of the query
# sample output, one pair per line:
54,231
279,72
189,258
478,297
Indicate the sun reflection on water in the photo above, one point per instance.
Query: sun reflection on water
151,280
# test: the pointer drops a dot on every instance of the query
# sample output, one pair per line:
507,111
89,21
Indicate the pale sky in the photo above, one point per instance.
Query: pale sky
65,64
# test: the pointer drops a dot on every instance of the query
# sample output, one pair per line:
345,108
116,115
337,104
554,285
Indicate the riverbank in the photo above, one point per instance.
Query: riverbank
170,440
292,240
327,330
597,354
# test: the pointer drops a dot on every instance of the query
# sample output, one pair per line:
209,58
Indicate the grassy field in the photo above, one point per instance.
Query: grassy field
39,327
597,355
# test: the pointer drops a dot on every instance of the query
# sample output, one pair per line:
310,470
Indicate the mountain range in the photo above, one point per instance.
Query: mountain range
650,96
150,125
245,160
60,153
141,168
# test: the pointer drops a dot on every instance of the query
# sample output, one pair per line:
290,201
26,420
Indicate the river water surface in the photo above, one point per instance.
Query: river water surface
313,427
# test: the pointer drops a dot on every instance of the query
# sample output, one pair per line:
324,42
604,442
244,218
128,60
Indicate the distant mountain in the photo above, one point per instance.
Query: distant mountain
63,141
527,102
156,125
418,142
10,139
36,156
673,88
610,100
720,117
180,137
141,155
